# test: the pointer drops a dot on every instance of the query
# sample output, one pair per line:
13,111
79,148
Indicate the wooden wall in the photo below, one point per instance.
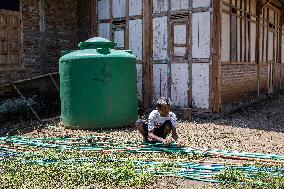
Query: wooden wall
122,21
172,42
250,51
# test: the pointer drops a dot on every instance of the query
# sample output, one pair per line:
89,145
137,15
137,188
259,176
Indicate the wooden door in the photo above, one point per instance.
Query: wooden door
10,40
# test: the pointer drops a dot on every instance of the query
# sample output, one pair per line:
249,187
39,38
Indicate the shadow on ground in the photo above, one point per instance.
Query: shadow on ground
266,115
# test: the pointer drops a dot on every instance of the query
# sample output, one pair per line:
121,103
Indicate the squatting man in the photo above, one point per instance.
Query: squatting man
160,124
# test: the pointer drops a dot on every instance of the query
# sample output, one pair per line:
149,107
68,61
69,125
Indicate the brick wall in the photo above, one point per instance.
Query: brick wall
263,82
282,75
61,30
66,23
239,84
277,76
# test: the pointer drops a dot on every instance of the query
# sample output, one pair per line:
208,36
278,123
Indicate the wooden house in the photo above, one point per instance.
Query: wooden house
208,55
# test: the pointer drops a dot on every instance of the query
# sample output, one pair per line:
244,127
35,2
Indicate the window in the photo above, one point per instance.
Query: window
179,38
118,33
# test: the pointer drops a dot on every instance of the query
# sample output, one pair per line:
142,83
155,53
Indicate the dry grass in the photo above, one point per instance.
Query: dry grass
258,128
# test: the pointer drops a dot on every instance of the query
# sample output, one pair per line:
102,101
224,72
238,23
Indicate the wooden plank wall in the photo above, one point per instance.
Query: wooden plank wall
171,51
172,42
122,21
181,52
248,74
201,68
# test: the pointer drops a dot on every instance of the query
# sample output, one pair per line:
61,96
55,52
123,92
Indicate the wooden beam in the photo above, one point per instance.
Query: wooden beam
170,50
126,31
147,68
42,40
190,59
94,23
281,46
265,4
257,41
216,56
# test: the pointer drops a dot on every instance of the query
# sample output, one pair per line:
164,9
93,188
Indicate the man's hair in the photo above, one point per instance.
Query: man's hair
164,101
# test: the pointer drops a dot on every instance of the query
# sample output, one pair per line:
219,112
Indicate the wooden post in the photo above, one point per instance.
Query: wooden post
216,56
257,45
42,35
126,30
94,24
281,46
189,42
147,68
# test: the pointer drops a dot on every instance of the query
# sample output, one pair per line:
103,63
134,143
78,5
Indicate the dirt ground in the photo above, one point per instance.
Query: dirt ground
258,128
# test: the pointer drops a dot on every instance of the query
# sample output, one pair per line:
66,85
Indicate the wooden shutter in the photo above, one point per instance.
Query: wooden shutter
10,39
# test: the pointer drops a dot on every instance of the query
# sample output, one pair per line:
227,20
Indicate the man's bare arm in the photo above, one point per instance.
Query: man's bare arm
156,138
174,134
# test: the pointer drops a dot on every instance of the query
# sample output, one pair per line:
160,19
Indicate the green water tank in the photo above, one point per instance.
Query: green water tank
98,86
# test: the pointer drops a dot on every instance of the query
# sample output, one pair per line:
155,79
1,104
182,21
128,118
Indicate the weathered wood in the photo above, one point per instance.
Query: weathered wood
111,18
201,9
11,41
42,45
265,4
126,31
216,56
237,63
281,46
241,34
249,34
257,45
170,50
94,23
267,38
147,43
26,101
29,79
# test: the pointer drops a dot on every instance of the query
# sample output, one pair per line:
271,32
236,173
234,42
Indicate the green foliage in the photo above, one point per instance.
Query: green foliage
237,179
16,174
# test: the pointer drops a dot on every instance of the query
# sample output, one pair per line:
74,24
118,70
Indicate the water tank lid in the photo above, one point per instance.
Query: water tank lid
96,42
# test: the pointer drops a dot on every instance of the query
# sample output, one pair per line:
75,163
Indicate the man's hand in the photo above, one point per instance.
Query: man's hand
167,141
180,143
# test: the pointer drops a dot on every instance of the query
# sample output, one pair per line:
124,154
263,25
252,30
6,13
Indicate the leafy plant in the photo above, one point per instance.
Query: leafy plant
238,179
